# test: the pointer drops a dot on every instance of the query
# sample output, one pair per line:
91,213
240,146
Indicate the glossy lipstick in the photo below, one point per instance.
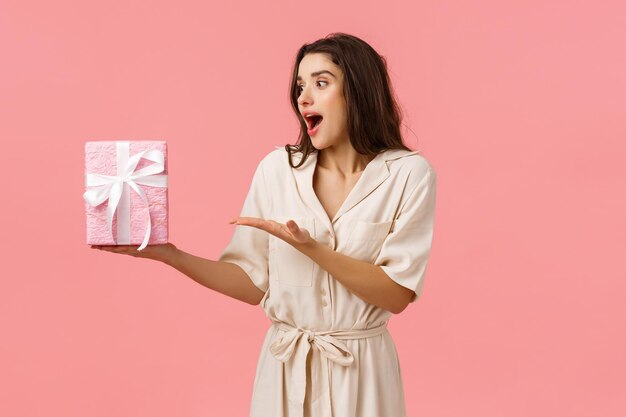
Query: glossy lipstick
312,128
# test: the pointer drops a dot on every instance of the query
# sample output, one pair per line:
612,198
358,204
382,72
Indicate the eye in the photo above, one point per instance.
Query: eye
299,86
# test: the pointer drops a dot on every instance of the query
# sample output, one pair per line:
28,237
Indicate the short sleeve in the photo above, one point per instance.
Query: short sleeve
249,246
404,253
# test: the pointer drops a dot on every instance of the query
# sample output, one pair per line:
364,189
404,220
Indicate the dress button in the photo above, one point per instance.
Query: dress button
323,291
324,304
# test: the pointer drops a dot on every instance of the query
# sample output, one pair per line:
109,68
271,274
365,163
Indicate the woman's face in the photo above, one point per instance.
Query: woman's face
320,89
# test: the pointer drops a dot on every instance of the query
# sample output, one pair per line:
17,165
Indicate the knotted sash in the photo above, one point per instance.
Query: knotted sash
291,346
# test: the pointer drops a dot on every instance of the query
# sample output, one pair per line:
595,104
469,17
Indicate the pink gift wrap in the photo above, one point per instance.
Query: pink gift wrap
100,158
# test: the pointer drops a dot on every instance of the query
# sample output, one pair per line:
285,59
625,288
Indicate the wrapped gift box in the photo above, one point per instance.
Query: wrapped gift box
126,192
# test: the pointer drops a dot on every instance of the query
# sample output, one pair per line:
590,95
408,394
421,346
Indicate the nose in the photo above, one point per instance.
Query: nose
304,96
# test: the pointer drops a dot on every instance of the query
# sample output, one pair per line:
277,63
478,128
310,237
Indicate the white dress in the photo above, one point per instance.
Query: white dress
328,352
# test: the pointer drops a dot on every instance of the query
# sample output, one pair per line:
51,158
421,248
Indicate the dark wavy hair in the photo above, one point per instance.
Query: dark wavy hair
374,116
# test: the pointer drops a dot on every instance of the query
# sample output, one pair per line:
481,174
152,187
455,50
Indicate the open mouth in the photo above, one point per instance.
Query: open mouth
313,121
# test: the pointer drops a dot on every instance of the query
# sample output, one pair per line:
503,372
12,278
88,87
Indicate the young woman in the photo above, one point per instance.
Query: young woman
330,246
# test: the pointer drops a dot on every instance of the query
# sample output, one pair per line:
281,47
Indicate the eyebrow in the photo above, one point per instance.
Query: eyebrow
316,73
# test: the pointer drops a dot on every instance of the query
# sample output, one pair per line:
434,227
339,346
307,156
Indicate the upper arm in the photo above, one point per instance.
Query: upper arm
405,252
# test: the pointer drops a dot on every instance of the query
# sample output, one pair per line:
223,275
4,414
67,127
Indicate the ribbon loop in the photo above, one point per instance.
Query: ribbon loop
111,187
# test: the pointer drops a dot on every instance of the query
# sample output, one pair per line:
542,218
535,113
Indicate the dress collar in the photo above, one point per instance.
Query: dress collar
374,174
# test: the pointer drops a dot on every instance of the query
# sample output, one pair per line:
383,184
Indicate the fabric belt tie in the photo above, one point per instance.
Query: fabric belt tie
295,343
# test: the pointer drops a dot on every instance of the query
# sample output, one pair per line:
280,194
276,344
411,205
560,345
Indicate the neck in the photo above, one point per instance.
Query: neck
344,161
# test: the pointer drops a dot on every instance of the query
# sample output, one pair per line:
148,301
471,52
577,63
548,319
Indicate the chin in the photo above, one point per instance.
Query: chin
321,143
316,142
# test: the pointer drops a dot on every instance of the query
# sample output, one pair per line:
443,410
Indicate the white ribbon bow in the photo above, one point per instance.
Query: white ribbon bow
112,186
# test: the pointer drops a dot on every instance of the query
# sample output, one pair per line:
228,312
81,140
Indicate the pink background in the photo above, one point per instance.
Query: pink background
519,105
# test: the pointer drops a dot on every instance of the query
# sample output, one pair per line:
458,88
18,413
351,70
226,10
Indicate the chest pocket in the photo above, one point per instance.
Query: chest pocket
288,265
366,239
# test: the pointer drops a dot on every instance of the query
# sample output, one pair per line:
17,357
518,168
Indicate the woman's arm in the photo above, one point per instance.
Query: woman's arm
368,281
223,277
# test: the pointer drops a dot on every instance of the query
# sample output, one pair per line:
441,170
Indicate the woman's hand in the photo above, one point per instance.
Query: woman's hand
289,232
163,252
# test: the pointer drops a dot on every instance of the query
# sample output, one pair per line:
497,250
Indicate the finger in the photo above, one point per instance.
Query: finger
269,226
102,247
292,228
299,233
251,221
116,248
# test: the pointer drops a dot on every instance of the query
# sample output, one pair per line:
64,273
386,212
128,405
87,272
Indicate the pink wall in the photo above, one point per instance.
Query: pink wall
519,105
